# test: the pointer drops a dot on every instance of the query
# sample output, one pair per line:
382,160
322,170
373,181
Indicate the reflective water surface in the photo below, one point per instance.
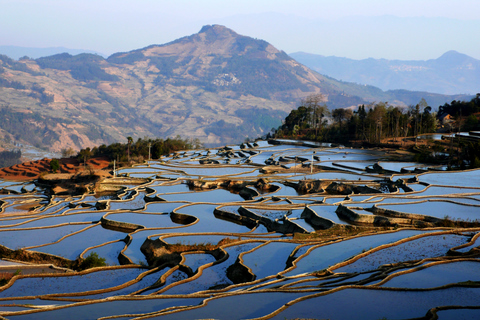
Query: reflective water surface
268,231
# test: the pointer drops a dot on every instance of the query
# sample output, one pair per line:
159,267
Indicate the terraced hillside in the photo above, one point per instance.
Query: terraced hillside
314,230
33,169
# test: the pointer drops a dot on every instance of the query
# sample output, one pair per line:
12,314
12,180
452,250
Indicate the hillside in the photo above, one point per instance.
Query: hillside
216,85
451,73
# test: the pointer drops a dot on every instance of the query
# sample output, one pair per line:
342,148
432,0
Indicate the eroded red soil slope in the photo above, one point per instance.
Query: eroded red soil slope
32,169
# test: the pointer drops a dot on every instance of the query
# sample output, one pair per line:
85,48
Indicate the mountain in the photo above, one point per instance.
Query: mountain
215,85
451,73
16,52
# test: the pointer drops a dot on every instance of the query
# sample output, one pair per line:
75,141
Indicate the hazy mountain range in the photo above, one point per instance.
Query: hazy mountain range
16,52
452,73
215,85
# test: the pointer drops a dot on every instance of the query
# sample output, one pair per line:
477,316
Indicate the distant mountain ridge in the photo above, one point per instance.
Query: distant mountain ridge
215,85
451,73
17,52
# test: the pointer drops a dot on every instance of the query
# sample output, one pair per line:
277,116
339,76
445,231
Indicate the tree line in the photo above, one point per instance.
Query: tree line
371,123
465,112
10,158
137,151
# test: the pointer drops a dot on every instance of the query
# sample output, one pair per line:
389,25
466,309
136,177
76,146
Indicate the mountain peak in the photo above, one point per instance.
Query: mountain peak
213,33
217,29
455,58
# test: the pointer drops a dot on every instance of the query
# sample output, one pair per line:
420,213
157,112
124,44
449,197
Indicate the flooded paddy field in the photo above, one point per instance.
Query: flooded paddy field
263,232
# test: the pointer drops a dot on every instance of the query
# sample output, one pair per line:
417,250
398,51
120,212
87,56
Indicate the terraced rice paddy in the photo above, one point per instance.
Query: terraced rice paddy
254,233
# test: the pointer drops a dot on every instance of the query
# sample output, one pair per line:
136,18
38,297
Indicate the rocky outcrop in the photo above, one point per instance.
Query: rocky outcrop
235,185
72,184
272,168
317,222
200,184
119,225
332,187
239,273
353,217
312,186
182,218
157,254
346,189
235,218
397,214
248,193
284,226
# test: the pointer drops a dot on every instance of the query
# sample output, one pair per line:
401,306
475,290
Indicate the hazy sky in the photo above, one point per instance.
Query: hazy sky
400,29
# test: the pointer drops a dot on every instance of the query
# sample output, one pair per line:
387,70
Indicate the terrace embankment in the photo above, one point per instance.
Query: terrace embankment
72,177
67,184
160,253
240,186
34,169
36,257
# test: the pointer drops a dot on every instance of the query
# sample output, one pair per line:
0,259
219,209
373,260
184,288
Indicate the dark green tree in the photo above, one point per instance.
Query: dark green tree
54,165
92,261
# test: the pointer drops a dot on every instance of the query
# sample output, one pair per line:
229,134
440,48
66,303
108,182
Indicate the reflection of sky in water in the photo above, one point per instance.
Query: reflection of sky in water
388,304
436,191
266,260
195,239
327,212
25,238
246,306
438,275
149,220
275,255
71,247
208,222
359,165
161,207
417,249
217,171
438,209
78,283
430,136
462,179
109,251
195,260
397,166
145,282
169,188
215,196
338,175
60,219
323,257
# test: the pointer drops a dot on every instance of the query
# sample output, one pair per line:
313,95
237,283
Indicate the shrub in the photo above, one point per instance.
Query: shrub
42,174
54,165
68,152
92,261
90,170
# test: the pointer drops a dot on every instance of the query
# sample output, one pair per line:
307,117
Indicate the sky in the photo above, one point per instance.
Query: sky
400,29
